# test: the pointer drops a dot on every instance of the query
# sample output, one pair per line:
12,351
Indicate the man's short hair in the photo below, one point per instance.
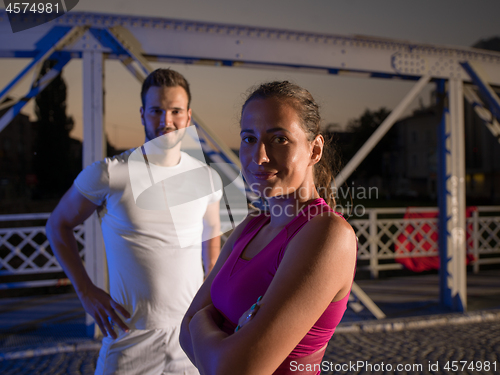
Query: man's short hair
164,78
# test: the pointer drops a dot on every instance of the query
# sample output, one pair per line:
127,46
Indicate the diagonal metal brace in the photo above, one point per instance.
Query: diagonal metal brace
35,90
480,79
367,301
58,38
132,47
381,131
483,113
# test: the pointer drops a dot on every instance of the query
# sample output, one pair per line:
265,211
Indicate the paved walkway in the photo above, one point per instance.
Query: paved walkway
46,334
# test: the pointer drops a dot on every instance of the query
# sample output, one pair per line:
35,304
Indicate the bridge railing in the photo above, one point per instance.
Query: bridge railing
385,236
389,236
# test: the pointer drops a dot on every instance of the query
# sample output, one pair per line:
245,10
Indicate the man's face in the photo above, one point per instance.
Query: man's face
165,114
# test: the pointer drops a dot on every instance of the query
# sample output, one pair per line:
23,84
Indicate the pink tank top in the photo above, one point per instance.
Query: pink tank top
240,282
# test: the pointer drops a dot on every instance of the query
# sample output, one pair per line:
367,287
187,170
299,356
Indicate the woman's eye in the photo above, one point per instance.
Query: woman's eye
248,139
280,140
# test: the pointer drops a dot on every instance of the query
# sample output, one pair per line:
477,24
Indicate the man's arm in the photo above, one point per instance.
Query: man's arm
72,210
211,237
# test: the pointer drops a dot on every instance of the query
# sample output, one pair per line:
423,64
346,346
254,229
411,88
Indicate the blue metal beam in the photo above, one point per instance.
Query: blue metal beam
484,88
257,47
46,45
451,197
62,59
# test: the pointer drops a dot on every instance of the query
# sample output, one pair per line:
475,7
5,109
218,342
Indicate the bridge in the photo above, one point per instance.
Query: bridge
136,42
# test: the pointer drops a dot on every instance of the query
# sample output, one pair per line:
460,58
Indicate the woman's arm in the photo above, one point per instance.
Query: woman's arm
317,269
203,298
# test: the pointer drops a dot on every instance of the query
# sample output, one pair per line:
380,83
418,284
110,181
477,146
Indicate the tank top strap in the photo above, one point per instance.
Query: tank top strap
254,223
307,213
248,233
314,208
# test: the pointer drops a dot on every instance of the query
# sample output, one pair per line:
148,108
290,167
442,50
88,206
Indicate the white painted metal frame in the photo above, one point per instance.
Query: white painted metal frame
451,197
93,150
246,46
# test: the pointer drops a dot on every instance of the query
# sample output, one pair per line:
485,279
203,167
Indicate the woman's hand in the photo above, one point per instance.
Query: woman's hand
208,314
249,314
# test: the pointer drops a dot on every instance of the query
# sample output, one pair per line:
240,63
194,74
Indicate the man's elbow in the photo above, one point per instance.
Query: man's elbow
55,226
49,228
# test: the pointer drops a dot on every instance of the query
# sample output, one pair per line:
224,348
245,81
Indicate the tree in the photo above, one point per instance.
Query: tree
53,164
362,128
492,44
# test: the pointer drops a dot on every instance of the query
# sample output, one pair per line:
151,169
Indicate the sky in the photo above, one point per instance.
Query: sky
218,92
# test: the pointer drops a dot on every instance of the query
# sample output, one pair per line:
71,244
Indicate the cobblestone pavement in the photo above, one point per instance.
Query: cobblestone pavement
75,363
423,351
48,335
474,346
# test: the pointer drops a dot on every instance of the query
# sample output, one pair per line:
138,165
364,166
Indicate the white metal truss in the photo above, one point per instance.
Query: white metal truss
246,46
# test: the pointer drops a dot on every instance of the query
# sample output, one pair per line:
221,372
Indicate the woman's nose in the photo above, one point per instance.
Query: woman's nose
260,155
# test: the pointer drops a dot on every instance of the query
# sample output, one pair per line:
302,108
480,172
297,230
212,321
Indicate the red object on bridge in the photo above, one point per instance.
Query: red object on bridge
424,239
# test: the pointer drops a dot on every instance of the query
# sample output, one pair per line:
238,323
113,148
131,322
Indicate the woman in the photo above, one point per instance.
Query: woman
299,257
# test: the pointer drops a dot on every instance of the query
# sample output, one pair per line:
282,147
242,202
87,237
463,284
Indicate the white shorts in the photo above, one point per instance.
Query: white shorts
144,352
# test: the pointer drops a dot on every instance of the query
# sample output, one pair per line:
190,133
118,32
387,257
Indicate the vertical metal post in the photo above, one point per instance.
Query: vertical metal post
373,244
475,239
452,235
93,150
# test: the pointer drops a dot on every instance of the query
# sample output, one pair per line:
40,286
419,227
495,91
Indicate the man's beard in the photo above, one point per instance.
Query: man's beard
167,141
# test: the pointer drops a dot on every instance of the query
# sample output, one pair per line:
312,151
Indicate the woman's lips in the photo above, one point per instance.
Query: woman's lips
263,175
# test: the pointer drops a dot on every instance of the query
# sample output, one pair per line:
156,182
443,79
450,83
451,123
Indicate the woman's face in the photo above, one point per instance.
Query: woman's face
275,153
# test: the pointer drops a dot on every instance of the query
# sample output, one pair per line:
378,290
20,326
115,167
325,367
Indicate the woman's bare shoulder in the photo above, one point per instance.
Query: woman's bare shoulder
329,221
330,230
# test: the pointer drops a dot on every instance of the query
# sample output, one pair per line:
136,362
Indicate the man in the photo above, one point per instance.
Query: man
153,248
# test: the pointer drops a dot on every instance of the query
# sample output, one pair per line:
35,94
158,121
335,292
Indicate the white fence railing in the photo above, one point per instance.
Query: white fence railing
25,250
386,236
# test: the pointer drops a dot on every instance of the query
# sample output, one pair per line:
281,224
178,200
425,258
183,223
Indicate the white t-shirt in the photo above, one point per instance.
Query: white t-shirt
153,250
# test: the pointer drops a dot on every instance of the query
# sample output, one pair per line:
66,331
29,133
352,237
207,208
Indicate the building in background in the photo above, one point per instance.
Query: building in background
408,159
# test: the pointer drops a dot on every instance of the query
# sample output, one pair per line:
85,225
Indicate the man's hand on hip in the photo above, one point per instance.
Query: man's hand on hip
103,309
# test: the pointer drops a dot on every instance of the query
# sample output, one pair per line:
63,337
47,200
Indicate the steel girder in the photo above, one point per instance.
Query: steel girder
234,45
451,197
480,79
